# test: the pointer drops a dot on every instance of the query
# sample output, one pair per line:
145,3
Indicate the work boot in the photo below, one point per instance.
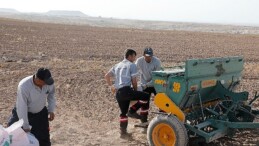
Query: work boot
134,115
124,134
123,131
144,123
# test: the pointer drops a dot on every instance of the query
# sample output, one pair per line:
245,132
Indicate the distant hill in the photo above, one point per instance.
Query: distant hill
7,10
65,13
79,18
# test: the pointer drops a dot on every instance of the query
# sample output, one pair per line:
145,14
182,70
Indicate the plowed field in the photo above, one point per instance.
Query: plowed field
78,56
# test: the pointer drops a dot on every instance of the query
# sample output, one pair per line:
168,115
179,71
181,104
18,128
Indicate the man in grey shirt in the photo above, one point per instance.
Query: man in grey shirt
32,94
146,64
125,74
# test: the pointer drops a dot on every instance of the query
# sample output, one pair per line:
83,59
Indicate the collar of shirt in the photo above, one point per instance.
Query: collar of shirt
125,60
36,87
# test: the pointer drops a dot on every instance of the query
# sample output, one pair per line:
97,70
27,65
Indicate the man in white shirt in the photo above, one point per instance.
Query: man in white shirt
146,64
32,94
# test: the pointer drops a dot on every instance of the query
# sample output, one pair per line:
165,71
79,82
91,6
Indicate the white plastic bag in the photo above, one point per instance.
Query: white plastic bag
20,138
4,137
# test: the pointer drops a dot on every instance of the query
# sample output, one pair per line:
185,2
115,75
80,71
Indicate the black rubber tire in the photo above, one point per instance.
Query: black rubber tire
174,123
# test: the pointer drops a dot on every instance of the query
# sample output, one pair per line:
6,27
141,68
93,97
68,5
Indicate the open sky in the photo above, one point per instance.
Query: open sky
207,11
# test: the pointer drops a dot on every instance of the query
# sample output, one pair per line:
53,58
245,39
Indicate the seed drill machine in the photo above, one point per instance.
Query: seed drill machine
199,100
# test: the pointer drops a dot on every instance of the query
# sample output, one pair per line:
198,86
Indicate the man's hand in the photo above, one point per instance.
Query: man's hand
108,80
113,89
51,116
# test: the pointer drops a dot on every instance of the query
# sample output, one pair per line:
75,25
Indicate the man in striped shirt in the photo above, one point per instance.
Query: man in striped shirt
125,74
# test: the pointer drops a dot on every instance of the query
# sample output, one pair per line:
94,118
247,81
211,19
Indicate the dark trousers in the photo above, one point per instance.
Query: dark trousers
137,105
126,94
39,123
150,90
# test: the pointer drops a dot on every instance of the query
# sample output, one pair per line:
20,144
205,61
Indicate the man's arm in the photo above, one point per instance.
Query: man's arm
139,71
134,74
138,65
158,65
108,77
51,103
22,107
134,83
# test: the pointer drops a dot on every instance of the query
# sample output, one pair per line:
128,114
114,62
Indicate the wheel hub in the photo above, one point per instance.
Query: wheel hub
163,135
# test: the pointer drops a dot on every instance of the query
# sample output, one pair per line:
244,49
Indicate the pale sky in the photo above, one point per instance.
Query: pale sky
207,11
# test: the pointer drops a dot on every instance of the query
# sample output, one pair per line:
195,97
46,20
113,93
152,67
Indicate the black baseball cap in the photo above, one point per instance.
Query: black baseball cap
148,51
45,75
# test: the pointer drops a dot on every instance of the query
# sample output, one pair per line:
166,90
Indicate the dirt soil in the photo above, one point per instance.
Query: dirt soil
79,56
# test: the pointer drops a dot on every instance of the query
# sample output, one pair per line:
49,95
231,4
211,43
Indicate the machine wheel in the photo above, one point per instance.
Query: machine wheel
166,130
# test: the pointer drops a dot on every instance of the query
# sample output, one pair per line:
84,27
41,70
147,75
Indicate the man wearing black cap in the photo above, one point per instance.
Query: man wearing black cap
32,93
146,64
